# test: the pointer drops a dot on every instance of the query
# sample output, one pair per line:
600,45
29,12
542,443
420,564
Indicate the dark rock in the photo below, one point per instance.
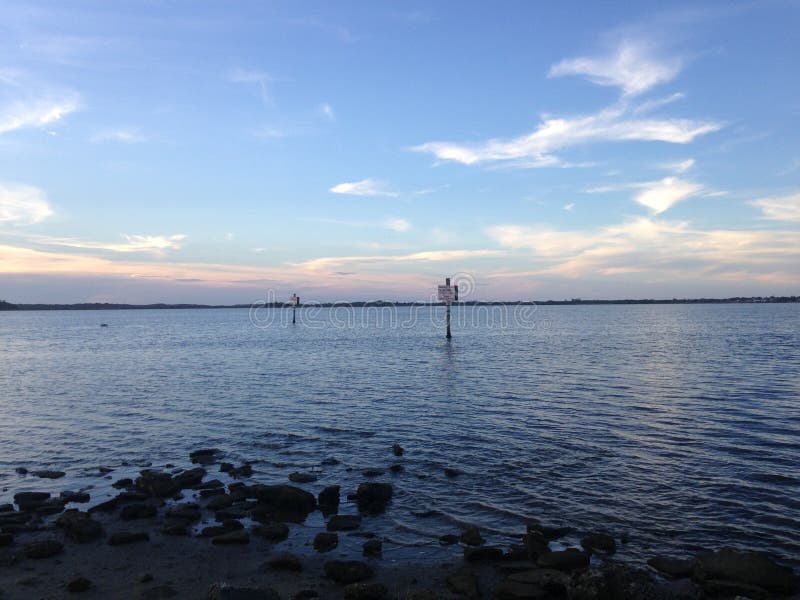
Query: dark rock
372,498
347,571
157,483
306,595
220,502
537,584
225,467
187,511
212,492
21,471
425,514
43,549
232,538
536,544
122,483
344,523
749,568
325,542
564,560
471,536
330,461
137,511
549,533
145,578
30,500
599,541
122,538
213,531
483,554
448,539
285,562
48,474
372,548
128,496
397,450
6,508
674,567
452,472
190,477
233,512
77,497
298,477
79,526
51,506
288,502
619,582
396,468
225,592
373,472
204,456
274,531
243,471
6,539
79,584
365,591
463,583
107,506
209,485
328,499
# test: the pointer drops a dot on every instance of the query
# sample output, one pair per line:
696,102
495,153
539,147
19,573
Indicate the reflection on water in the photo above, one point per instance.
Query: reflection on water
677,425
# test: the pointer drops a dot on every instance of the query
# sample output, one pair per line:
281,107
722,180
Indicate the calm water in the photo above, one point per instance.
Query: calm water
679,425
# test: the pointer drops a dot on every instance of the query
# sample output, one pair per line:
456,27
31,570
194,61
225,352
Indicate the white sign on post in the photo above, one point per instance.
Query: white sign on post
448,293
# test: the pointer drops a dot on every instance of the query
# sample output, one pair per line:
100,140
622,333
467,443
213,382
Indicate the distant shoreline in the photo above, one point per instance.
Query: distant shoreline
7,306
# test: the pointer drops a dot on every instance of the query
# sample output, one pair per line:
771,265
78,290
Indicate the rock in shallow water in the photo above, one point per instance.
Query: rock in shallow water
372,497
564,560
749,568
328,499
298,477
372,548
48,474
325,542
599,541
344,523
674,567
274,531
472,536
232,538
79,526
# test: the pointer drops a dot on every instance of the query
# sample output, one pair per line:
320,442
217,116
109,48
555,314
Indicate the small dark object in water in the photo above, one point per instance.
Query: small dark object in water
397,450
103,324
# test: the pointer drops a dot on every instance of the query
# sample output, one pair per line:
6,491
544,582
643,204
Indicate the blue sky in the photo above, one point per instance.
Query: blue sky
209,152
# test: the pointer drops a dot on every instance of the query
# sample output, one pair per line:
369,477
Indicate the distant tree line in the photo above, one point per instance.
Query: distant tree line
381,303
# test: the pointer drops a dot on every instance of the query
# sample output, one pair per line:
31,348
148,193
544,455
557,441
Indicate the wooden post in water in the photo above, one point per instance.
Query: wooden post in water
449,335
295,301
447,294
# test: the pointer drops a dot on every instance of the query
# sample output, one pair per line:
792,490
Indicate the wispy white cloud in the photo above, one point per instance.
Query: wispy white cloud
663,249
651,105
36,112
781,208
23,204
124,135
679,167
154,244
537,149
661,195
569,207
260,79
365,187
394,223
632,67
317,264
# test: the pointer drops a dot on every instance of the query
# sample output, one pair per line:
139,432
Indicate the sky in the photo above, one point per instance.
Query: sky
221,152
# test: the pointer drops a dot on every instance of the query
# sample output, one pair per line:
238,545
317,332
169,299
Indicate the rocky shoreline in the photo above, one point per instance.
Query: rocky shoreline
186,533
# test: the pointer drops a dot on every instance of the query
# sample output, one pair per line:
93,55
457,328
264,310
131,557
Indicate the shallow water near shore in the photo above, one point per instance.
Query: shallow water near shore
675,425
